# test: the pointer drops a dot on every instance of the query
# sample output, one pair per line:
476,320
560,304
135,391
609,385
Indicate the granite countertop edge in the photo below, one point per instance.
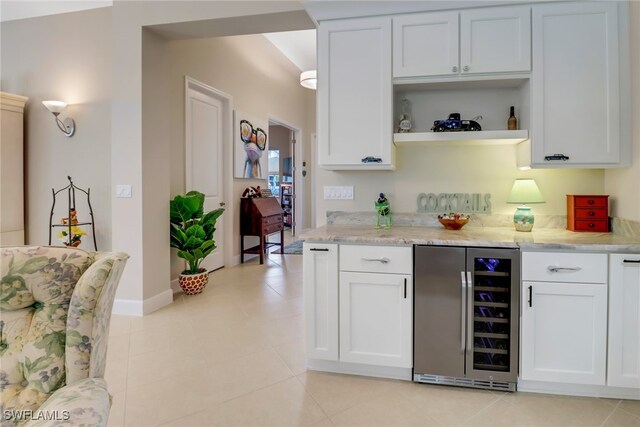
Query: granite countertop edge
497,237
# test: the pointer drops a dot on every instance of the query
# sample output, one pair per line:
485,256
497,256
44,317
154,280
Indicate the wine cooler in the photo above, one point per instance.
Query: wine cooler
466,316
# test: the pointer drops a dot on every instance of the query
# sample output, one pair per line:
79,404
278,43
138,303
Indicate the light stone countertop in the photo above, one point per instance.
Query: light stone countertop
502,237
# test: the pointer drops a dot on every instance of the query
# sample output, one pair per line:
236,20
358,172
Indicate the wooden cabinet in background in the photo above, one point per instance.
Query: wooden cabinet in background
260,217
12,169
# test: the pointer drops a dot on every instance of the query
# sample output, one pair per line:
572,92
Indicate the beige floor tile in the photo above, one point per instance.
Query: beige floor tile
118,406
116,373
167,362
538,409
157,338
336,392
282,404
243,375
388,409
276,309
325,422
631,406
118,346
212,417
278,331
119,325
447,405
292,352
621,418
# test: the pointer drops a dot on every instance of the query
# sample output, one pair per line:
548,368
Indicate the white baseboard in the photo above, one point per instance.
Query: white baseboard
175,286
578,390
129,307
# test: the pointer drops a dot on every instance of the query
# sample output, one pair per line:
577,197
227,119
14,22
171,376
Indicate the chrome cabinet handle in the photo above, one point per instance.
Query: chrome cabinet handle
382,260
555,269
466,68
463,299
454,69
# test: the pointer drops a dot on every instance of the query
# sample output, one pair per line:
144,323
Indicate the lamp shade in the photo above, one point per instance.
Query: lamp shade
308,79
525,191
55,107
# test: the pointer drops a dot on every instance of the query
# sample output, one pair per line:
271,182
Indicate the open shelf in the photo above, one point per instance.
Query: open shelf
483,137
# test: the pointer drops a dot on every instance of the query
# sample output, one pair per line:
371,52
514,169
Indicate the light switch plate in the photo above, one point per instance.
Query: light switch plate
338,192
123,190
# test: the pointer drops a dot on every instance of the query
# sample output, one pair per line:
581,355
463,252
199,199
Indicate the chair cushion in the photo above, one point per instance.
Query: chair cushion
36,284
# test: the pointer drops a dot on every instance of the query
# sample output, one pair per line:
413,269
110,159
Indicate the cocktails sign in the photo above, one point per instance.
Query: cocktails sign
454,202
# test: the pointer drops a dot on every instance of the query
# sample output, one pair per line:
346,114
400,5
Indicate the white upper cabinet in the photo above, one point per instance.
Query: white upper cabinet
355,94
425,45
476,41
495,40
575,86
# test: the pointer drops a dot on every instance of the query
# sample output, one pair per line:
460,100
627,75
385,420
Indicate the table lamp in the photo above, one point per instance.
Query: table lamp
524,191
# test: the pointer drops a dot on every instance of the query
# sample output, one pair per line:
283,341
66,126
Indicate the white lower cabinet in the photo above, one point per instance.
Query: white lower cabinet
564,332
624,321
376,319
320,282
564,317
362,316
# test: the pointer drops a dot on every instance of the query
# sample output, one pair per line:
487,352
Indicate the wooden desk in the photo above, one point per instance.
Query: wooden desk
260,217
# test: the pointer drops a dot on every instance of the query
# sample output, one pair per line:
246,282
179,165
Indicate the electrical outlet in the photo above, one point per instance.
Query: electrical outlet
123,191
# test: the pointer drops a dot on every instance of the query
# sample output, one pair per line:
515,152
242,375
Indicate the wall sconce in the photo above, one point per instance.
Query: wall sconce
68,127
308,79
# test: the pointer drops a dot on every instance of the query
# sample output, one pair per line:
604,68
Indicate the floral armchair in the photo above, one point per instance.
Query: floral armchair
55,309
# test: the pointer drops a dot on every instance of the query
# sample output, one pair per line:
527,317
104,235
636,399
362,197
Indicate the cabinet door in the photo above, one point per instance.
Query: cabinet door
320,266
495,40
564,332
425,45
575,92
375,319
624,321
355,94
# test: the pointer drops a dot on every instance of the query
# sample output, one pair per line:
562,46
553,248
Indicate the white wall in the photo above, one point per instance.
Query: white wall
624,184
65,57
262,82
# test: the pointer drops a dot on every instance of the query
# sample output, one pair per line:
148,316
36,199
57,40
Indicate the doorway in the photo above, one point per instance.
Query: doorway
207,126
282,178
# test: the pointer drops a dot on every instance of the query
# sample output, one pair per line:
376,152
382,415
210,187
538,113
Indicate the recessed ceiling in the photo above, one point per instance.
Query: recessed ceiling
298,46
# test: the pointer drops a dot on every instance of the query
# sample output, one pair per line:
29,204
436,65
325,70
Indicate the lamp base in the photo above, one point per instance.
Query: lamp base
523,218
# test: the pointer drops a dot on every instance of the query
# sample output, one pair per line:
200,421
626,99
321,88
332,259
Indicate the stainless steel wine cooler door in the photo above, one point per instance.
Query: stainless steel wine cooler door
493,311
439,311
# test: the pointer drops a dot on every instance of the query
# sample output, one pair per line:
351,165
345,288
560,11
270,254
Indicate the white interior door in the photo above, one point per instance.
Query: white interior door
204,128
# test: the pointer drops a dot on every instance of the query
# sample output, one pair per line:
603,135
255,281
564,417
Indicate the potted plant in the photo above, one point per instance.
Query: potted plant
192,234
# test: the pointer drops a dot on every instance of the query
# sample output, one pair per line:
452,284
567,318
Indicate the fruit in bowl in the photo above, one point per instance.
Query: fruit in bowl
453,221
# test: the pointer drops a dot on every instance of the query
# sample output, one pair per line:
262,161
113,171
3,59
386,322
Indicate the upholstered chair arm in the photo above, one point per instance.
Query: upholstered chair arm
83,403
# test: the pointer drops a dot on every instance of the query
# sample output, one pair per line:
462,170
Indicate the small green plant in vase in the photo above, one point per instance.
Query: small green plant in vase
192,235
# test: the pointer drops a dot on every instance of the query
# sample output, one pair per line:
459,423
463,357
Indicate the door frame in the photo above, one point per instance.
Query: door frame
298,208
227,153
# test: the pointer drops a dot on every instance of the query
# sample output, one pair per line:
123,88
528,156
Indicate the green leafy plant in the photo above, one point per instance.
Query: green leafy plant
192,229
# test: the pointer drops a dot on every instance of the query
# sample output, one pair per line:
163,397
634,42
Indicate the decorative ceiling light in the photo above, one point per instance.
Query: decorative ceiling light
68,127
309,79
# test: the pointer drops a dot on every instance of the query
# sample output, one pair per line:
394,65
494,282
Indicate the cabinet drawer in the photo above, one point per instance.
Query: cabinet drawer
591,201
592,225
274,219
268,229
564,267
584,213
376,259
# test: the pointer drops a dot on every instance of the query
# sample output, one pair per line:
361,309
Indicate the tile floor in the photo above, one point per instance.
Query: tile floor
233,356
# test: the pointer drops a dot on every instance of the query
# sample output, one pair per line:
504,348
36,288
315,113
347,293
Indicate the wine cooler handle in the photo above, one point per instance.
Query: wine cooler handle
530,301
470,310
463,280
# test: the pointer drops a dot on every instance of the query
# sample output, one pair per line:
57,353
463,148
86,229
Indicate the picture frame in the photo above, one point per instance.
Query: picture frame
251,146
